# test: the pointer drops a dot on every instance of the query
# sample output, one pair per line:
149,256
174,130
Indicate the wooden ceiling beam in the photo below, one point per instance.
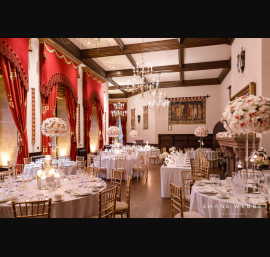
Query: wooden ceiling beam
175,68
171,44
224,73
116,96
120,43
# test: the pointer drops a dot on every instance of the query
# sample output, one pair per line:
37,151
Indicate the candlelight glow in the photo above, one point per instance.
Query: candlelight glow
5,158
51,172
63,152
93,148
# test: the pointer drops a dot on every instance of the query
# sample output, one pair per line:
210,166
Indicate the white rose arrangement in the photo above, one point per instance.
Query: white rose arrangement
201,132
53,127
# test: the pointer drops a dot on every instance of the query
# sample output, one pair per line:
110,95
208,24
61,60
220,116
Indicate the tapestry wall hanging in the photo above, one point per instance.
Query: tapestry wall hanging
132,119
187,110
145,117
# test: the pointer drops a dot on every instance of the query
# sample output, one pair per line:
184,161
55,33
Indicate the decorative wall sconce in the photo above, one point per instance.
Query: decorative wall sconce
241,61
139,118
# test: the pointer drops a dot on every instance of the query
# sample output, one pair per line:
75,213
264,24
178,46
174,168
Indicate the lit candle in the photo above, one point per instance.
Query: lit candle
57,178
51,172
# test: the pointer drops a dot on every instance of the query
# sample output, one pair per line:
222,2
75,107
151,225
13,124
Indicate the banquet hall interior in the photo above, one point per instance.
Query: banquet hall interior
134,127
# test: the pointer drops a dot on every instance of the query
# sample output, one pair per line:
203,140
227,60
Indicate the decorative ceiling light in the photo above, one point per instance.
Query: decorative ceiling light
142,70
119,110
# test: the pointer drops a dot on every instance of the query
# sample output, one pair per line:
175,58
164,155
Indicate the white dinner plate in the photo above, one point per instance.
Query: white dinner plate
82,193
208,191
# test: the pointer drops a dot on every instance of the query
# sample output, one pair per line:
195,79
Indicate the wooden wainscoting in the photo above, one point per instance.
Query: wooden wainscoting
183,141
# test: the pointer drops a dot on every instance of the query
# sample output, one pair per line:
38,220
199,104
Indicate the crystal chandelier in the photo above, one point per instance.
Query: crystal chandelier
142,70
158,99
119,110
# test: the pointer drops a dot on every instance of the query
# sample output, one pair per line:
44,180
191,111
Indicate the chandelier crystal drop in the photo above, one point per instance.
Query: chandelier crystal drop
119,110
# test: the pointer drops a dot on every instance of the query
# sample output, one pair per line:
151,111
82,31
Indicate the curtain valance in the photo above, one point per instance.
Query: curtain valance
16,51
93,88
56,68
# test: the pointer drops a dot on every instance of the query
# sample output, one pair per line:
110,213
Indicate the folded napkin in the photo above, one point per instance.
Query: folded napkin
208,191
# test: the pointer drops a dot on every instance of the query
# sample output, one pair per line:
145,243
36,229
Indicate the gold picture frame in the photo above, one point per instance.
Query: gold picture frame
250,89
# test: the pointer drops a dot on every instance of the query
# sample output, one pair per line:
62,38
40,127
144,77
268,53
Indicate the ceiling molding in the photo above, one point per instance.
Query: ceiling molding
116,96
175,68
60,49
171,44
87,69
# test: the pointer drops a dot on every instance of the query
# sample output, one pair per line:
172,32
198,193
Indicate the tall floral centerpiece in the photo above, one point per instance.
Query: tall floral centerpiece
201,132
247,114
114,132
53,127
133,133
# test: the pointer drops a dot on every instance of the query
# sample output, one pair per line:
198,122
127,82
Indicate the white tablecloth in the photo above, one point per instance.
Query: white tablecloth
109,162
69,169
210,206
173,174
70,207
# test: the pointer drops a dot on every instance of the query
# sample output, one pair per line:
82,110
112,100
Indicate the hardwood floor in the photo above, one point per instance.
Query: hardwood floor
145,196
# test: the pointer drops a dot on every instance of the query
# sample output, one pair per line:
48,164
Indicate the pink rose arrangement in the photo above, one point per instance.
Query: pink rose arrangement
247,114
113,131
201,132
226,135
53,127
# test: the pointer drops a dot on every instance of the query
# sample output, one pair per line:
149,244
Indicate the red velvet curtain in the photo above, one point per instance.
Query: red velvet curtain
87,122
48,111
17,99
100,124
72,114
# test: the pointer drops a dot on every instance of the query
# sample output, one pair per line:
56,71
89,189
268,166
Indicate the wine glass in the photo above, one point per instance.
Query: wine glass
212,178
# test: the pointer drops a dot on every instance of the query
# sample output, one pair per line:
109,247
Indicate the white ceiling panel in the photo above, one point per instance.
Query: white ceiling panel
109,63
122,81
202,74
116,91
128,41
160,58
172,76
207,53
104,42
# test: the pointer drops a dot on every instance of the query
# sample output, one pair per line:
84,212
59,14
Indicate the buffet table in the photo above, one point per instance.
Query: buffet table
75,204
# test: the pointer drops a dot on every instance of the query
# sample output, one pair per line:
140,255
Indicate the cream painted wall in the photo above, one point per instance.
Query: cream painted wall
224,93
158,121
266,84
147,135
34,83
253,68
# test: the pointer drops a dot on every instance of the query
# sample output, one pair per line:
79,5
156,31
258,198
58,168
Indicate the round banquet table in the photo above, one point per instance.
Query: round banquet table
211,206
69,168
70,207
109,162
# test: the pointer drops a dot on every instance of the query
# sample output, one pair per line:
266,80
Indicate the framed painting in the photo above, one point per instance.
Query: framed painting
132,119
187,111
250,89
145,117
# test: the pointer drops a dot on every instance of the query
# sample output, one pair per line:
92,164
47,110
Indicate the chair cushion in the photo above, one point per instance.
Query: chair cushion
192,215
121,206
187,198
178,216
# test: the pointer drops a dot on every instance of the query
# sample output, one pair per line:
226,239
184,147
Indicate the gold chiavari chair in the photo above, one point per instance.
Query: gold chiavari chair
54,165
10,165
4,175
80,158
120,163
80,165
16,170
250,174
27,160
141,166
267,210
33,209
177,204
91,171
188,180
154,156
116,180
163,149
97,164
186,150
107,203
124,207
